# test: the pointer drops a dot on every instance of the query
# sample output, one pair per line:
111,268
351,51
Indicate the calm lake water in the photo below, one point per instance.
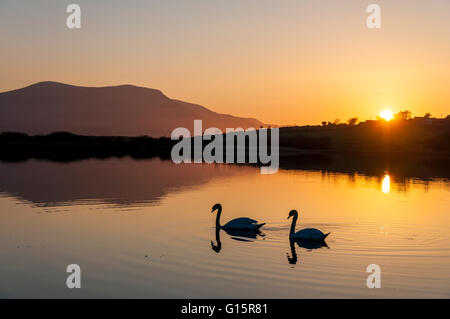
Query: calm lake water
143,229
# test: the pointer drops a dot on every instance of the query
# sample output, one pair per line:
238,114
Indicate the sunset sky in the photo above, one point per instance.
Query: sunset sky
283,62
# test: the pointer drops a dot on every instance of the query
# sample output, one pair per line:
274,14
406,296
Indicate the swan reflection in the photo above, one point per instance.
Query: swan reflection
307,244
235,234
217,247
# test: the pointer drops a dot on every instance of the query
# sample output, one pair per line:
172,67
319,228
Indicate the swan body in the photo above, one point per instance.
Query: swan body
311,234
242,223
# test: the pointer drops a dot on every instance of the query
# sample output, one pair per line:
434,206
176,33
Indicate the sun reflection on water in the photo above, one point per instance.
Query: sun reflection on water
386,184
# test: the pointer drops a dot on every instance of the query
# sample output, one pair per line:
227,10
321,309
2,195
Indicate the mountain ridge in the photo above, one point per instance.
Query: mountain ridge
127,110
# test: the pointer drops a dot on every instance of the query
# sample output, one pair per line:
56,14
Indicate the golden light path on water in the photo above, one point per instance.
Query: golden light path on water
386,184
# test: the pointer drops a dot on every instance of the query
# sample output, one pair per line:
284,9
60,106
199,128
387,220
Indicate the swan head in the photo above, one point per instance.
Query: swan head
292,213
216,207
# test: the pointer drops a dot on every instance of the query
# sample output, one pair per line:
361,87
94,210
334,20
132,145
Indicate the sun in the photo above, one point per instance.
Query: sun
387,115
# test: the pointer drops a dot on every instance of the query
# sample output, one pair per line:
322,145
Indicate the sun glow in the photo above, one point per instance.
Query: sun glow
387,115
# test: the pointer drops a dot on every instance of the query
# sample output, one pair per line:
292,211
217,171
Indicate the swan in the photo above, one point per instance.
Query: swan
242,223
307,233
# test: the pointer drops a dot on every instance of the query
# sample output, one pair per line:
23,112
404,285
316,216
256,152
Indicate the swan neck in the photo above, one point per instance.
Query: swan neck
294,221
219,211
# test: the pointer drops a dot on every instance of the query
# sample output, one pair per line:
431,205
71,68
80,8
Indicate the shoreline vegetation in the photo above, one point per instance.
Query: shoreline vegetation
411,147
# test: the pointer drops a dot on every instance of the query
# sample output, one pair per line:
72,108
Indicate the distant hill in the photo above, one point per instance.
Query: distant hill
124,110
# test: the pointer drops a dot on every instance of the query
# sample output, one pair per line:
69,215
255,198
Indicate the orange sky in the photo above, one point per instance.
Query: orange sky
289,62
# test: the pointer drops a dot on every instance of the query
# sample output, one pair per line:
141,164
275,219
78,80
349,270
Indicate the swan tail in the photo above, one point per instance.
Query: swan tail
258,226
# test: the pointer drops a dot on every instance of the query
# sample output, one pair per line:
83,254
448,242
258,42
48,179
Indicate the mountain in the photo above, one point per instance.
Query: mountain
124,110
